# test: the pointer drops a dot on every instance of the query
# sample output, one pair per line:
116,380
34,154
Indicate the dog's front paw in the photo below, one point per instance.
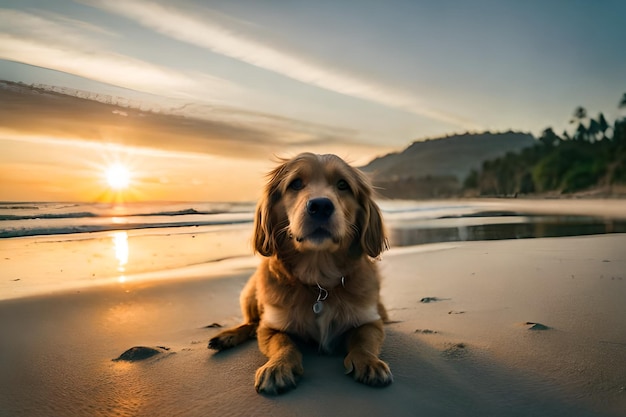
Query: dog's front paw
232,337
224,340
276,377
368,369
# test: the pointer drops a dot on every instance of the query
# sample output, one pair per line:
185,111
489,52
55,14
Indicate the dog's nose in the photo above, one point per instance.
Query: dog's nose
320,208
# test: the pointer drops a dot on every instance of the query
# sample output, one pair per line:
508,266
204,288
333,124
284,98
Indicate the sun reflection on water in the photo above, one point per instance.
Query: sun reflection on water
120,246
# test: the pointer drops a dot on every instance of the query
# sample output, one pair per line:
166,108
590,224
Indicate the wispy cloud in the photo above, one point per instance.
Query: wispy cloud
219,38
52,41
49,26
214,130
49,40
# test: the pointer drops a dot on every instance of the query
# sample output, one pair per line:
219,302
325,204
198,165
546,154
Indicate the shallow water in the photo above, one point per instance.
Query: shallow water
34,264
498,227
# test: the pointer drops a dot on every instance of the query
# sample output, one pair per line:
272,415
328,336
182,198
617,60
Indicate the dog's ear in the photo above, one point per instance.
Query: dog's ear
265,236
373,239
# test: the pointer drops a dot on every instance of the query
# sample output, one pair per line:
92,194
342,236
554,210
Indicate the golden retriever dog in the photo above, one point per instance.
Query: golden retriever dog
318,230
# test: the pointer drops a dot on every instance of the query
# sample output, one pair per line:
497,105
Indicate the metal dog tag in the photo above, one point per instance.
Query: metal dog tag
318,307
321,297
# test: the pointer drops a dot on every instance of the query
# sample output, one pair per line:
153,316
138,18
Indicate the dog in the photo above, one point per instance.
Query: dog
319,232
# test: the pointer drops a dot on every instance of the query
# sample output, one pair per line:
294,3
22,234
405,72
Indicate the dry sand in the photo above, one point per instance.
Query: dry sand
467,351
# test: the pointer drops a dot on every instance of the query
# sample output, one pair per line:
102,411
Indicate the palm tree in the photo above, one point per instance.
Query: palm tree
581,132
603,125
593,130
580,114
566,135
548,137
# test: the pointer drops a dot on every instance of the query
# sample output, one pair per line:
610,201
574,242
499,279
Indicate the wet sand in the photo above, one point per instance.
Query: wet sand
464,340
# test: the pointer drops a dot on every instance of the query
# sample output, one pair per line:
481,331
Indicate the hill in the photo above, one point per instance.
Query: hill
450,156
437,167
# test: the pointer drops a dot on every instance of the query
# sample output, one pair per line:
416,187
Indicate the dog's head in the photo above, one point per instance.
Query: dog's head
318,203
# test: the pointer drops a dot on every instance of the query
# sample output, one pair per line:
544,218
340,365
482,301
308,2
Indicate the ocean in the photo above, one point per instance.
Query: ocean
36,219
48,247
406,220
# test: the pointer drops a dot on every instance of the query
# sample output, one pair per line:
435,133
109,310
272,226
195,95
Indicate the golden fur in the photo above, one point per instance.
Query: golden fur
318,229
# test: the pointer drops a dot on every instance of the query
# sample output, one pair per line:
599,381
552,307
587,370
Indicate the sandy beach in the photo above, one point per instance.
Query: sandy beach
451,173
514,327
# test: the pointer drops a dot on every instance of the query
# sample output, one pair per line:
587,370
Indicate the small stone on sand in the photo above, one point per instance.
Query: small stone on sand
536,326
139,353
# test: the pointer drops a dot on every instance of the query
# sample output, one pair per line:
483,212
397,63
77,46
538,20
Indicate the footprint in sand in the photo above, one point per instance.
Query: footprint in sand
455,351
426,331
432,299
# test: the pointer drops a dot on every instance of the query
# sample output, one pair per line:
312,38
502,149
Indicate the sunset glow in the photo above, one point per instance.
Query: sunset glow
85,116
118,177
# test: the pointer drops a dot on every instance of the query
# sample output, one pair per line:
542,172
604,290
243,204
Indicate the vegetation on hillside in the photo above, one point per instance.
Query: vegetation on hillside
435,168
594,155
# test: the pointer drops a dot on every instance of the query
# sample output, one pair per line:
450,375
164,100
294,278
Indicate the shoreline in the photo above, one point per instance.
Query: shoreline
43,264
467,352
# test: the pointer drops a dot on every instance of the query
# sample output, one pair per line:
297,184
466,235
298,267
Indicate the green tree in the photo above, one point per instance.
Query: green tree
548,137
580,114
573,165
566,135
593,130
581,132
603,125
471,182
562,169
579,177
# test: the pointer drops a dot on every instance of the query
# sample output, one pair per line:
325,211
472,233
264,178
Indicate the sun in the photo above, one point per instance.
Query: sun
118,176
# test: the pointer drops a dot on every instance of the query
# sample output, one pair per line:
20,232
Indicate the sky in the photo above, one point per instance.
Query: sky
358,78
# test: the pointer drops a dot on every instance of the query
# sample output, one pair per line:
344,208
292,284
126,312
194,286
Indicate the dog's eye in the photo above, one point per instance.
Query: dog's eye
343,185
296,184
